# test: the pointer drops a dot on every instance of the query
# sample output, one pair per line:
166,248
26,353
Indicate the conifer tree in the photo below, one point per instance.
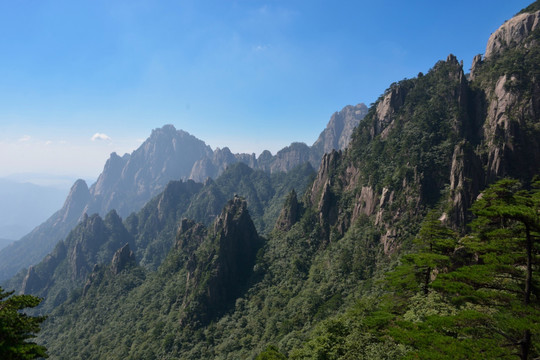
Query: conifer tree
498,293
16,327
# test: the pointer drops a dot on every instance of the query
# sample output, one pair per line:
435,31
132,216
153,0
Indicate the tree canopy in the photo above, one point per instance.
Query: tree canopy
18,328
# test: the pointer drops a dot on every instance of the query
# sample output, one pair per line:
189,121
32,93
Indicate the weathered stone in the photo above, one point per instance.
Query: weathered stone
512,33
122,259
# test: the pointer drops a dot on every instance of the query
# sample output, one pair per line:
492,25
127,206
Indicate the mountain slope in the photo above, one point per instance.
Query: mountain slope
432,142
151,231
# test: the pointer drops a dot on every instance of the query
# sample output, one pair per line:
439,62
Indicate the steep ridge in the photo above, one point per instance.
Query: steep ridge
94,240
129,181
432,142
150,232
219,269
33,247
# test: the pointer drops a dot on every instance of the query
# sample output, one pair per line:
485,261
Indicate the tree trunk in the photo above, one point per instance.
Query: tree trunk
528,275
525,345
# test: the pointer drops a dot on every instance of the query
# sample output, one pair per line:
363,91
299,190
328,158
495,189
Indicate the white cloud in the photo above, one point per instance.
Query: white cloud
25,138
100,137
259,48
48,142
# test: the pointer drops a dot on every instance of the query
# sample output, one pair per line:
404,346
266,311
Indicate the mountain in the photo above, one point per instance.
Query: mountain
314,287
33,247
129,181
150,232
25,205
5,242
335,136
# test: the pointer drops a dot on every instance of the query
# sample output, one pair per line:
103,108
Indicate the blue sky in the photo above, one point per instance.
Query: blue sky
250,75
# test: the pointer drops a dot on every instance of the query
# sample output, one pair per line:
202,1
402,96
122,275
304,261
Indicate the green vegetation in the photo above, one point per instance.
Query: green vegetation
331,286
372,264
535,6
17,328
479,300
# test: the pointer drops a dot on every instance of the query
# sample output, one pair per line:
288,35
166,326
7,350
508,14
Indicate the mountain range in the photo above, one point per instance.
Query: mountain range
128,182
342,263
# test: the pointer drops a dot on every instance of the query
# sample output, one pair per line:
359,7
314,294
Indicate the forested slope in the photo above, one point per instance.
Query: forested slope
381,257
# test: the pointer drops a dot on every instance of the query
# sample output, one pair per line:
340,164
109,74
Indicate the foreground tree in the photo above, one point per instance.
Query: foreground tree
17,328
485,303
498,293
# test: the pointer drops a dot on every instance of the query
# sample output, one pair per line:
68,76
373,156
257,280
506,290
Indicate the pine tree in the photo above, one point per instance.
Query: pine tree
498,293
16,327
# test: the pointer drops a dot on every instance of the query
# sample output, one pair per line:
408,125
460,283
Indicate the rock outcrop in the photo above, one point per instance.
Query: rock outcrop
512,33
290,213
220,267
337,134
129,181
122,259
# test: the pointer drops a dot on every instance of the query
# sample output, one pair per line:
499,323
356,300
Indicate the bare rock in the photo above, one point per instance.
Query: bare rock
122,259
512,32
290,213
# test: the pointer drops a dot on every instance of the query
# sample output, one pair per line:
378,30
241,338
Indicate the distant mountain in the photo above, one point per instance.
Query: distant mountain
5,242
129,181
25,205
335,136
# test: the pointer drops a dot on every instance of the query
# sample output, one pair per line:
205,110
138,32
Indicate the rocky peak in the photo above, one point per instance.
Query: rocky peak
477,61
111,174
290,156
190,235
337,134
511,33
122,259
31,282
76,201
387,108
290,213
113,219
328,167
223,265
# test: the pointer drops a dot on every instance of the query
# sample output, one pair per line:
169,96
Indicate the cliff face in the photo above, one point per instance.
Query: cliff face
219,268
439,137
514,32
127,183
290,214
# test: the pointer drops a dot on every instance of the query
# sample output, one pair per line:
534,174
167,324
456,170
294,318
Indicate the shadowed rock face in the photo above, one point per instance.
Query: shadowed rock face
220,267
290,213
122,259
